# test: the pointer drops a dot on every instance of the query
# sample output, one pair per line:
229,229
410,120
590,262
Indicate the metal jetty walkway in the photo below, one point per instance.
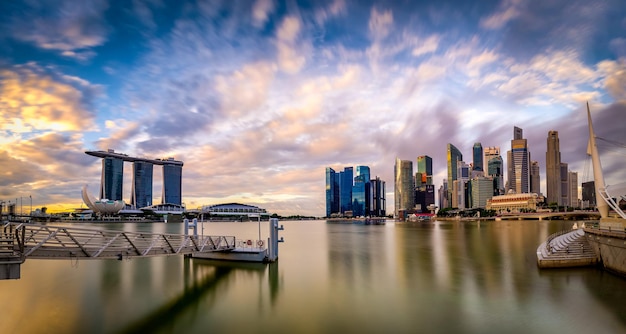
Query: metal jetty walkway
19,241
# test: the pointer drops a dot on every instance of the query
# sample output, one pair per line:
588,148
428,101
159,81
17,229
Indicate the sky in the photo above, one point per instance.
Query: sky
259,97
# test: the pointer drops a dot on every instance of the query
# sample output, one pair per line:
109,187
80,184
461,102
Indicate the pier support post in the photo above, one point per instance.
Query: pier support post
193,224
273,242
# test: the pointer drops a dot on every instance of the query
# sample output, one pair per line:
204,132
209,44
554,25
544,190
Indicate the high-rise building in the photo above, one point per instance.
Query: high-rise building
443,195
364,172
378,201
403,186
492,152
345,189
564,185
424,197
112,178
572,178
425,166
477,155
424,188
463,177
517,133
535,178
553,169
172,182
589,193
141,192
453,156
358,196
495,170
518,161
332,192
482,190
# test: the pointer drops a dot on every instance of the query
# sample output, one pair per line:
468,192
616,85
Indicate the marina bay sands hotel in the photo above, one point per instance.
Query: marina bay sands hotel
141,193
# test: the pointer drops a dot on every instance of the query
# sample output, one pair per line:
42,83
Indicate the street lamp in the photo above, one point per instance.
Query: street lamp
31,206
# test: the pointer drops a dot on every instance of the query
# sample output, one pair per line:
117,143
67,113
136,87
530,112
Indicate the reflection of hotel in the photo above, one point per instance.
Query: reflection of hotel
141,193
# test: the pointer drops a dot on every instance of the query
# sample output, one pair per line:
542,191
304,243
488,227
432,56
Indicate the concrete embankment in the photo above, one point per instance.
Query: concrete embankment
569,249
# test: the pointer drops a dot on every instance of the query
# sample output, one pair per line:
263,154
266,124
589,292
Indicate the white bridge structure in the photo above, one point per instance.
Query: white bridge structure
612,194
20,241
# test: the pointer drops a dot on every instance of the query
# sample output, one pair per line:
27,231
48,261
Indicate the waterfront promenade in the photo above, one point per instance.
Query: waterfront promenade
572,215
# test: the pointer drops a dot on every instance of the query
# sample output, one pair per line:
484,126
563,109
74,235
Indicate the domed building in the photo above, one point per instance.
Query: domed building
234,211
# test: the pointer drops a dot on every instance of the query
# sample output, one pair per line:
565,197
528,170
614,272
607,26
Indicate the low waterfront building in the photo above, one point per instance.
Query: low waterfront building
234,211
513,202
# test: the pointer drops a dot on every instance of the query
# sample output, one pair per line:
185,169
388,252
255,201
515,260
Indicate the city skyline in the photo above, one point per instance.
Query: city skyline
259,97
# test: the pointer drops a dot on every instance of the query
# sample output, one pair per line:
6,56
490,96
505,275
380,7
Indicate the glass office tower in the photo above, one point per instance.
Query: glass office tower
112,179
378,201
453,157
425,166
141,192
403,186
477,155
364,171
345,189
172,183
495,170
332,192
359,196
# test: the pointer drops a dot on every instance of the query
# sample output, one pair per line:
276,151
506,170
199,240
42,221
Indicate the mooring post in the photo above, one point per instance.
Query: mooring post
273,242
193,224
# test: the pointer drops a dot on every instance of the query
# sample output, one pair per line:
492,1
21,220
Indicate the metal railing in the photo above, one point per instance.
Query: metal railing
553,236
43,241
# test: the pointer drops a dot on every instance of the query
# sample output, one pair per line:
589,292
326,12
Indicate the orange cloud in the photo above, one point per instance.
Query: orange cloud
33,100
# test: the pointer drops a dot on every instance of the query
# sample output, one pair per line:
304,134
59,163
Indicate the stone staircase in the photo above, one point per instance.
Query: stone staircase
569,249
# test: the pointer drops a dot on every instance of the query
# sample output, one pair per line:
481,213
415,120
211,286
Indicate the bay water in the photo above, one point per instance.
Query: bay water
431,277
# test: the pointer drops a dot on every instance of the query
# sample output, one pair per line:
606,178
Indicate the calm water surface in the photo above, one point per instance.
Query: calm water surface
438,277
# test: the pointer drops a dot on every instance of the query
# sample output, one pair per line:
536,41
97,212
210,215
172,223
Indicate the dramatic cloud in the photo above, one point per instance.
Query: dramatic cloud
60,25
258,97
33,98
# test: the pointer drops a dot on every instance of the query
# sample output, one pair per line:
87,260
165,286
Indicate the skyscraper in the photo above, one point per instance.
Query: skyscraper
141,191
364,173
518,161
553,168
403,186
359,196
535,178
589,193
461,194
345,189
565,201
425,166
482,190
442,193
112,178
141,186
332,192
378,201
572,178
477,155
453,156
172,182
